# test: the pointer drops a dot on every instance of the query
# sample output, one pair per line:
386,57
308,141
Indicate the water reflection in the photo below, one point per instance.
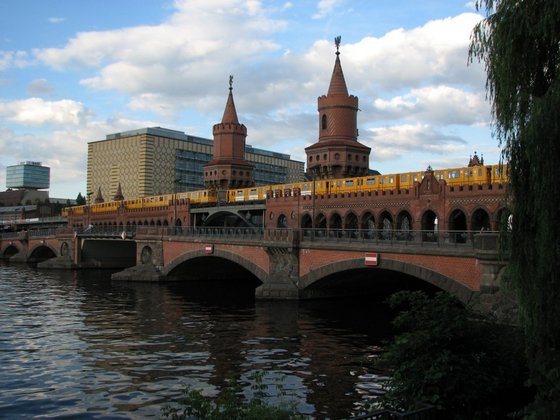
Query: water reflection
73,343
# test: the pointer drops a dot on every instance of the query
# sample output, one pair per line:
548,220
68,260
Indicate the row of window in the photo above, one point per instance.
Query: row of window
337,157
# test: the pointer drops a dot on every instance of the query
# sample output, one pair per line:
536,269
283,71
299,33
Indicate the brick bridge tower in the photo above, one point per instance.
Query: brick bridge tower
229,169
337,154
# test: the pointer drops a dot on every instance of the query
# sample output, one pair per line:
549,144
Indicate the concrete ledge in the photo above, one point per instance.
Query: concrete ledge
139,273
58,263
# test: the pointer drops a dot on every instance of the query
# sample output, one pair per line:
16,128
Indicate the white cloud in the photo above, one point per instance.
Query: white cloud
395,142
325,7
435,53
442,105
36,111
18,59
56,20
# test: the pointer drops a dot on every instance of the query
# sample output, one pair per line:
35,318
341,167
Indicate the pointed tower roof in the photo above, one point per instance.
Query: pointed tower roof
338,84
99,197
230,114
118,195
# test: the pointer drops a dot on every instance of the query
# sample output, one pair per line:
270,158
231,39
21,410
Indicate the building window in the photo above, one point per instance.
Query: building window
324,122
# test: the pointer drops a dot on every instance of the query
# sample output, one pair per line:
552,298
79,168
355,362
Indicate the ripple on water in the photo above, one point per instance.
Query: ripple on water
74,345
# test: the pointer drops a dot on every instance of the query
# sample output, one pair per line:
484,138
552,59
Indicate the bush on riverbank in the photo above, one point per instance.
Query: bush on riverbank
451,357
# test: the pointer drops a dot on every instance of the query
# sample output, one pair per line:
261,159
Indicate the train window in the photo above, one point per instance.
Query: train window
453,174
239,193
349,183
480,172
391,179
339,184
370,181
415,179
403,178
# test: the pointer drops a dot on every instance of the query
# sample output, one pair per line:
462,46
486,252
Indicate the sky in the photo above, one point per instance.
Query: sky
72,72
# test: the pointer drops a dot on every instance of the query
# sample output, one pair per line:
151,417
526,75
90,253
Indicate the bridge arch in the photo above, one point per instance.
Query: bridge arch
385,224
320,221
404,221
501,218
434,278
282,221
480,219
11,250
42,252
335,221
368,221
457,219
306,221
251,267
351,221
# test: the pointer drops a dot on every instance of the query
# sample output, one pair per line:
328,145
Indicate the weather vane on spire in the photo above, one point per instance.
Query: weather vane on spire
230,82
337,43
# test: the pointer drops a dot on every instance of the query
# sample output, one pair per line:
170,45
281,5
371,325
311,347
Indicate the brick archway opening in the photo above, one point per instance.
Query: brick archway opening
350,276
41,253
214,277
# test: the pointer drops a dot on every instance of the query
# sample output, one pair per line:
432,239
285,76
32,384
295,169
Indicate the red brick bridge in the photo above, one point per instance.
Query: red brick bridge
280,263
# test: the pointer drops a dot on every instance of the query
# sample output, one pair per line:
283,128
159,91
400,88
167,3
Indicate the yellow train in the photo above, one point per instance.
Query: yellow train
455,177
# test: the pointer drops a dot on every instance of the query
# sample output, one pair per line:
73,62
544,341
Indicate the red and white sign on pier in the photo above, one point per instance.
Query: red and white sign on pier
372,258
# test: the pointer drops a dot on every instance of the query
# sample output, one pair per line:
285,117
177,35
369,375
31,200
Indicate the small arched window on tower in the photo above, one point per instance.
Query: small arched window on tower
324,122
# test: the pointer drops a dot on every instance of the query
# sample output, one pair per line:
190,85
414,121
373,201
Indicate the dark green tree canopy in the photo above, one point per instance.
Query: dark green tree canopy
519,42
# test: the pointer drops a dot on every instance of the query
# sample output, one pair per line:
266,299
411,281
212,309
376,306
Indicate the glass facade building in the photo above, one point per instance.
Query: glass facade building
28,175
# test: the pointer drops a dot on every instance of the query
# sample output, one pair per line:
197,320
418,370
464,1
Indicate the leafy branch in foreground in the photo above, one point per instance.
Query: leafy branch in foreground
230,405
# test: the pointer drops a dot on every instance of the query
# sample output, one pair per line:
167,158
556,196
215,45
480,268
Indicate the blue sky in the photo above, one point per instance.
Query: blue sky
72,72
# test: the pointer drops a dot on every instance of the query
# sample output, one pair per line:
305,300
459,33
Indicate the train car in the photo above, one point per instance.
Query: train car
157,201
250,194
107,207
202,196
133,203
500,174
74,211
457,177
408,179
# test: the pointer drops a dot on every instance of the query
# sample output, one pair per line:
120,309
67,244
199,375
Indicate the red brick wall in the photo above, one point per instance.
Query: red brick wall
254,254
461,269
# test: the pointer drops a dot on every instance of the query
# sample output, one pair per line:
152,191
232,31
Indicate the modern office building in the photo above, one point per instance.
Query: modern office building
28,175
156,160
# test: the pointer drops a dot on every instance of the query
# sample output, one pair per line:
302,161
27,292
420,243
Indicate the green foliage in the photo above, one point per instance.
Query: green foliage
448,356
229,405
80,199
519,43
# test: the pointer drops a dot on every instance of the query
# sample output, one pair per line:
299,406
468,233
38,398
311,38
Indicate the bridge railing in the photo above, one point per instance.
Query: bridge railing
236,233
107,231
450,238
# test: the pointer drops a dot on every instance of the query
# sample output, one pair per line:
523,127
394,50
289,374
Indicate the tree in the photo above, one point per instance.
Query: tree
518,41
450,357
80,200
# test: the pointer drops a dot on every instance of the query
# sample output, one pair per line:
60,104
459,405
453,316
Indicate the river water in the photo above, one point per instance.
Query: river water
73,344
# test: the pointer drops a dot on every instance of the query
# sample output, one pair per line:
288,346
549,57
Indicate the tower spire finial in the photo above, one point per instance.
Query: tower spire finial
337,40
230,81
